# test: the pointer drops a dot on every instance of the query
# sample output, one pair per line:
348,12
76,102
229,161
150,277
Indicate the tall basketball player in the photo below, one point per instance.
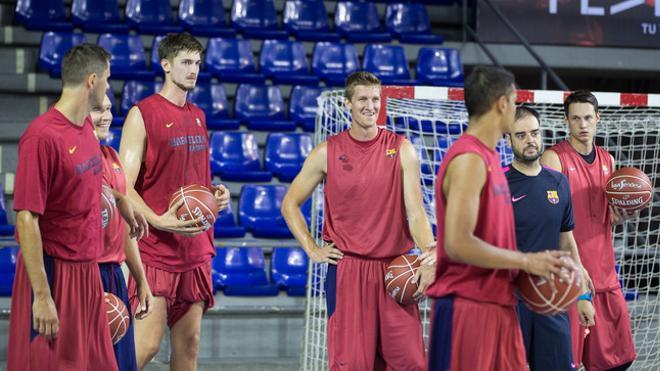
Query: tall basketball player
373,213
609,344
163,147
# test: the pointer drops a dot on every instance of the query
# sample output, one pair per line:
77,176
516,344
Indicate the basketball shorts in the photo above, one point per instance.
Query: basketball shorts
367,329
113,282
470,335
180,289
83,341
609,343
547,340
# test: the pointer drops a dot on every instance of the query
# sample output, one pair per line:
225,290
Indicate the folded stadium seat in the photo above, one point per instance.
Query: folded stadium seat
288,269
212,99
6,229
97,16
303,106
152,17
286,153
409,23
235,157
241,271
333,62
134,91
204,18
259,210
308,21
284,62
42,15
261,107
113,139
225,225
506,153
53,47
439,66
158,70
359,22
8,256
128,58
388,62
256,19
231,60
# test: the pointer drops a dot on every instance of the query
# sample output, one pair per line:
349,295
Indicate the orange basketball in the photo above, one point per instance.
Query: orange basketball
399,279
537,293
107,205
198,201
118,318
629,188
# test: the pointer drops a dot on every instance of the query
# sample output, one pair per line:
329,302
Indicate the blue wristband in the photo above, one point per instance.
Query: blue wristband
586,296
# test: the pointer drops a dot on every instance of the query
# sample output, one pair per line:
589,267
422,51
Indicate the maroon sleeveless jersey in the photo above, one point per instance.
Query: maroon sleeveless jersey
176,155
114,232
495,225
593,229
365,213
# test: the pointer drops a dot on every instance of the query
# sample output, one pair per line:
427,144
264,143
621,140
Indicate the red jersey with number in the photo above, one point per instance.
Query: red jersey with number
364,211
593,228
495,226
176,155
115,231
58,176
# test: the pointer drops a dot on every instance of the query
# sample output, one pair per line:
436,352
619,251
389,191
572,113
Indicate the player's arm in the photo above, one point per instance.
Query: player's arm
586,311
310,176
550,159
134,264
44,313
619,215
136,223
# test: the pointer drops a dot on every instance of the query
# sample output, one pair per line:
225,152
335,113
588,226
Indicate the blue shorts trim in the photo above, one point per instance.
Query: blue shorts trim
441,334
331,289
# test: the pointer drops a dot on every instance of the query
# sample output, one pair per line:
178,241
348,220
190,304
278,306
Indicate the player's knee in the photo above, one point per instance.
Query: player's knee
148,349
189,345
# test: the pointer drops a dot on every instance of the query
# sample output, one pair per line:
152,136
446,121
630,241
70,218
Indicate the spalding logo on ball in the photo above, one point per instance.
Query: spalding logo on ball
629,188
198,202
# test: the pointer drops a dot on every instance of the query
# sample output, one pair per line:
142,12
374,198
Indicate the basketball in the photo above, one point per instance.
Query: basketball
118,318
399,279
107,205
198,201
538,296
629,188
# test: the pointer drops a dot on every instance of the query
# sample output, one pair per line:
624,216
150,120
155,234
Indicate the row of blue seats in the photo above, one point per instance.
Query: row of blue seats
302,19
283,61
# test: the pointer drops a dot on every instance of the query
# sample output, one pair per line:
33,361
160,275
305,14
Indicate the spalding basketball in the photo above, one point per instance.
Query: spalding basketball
537,293
399,279
629,188
198,201
118,318
107,205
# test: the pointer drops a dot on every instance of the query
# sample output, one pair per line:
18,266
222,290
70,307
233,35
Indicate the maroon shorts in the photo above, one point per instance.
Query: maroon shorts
83,341
180,289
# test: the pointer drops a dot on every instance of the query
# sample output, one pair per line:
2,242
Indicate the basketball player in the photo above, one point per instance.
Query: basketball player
164,147
609,344
543,215
474,325
373,213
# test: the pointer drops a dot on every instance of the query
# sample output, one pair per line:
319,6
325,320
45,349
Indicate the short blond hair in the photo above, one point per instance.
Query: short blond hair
359,78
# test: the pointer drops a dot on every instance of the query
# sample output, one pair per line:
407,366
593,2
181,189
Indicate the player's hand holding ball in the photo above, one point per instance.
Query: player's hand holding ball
547,264
137,224
628,191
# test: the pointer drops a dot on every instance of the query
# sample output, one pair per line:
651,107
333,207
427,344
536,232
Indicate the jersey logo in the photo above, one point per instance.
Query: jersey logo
553,197
72,149
343,158
169,125
516,199
199,122
571,169
116,167
391,152
606,171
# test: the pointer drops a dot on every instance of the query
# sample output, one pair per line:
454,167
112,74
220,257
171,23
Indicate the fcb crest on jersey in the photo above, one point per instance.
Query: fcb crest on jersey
606,171
116,168
391,152
553,197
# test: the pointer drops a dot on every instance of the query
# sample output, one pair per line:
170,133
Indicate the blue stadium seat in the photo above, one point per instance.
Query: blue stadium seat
204,18
259,210
303,106
285,62
308,21
113,139
388,62
409,22
439,66
212,99
151,16
231,60
128,58
333,62
8,257
6,229
241,271
53,47
256,19
261,107
359,22
288,269
42,15
235,157
286,153
134,91
97,16
225,225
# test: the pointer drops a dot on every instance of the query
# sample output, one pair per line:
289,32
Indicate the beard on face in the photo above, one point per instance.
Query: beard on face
184,87
522,157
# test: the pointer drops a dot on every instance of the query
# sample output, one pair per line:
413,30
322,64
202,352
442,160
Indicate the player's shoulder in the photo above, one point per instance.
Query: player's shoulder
45,127
554,175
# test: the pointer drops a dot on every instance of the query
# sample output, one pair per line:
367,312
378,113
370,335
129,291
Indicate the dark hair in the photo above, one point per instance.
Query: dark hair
81,61
580,96
174,43
524,111
484,86
359,78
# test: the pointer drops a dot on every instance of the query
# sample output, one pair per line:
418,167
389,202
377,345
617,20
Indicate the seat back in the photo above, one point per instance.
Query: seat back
438,64
127,51
287,149
53,47
356,17
234,151
302,103
334,59
283,57
254,14
211,98
42,11
149,12
206,13
253,101
407,18
386,61
230,55
300,16
103,11
134,91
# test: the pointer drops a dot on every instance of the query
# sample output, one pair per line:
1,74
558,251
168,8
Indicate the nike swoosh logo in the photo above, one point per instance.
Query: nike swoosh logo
72,149
169,125
516,199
